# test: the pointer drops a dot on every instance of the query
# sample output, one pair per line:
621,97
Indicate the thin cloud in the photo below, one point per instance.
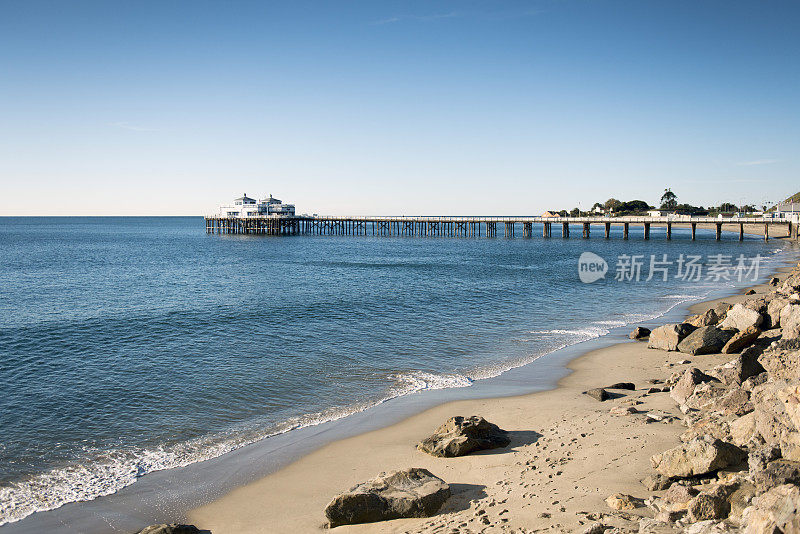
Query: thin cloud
131,127
493,15
418,18
757,162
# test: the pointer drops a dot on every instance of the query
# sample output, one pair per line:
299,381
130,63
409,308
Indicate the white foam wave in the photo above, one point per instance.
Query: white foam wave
419,380
108,472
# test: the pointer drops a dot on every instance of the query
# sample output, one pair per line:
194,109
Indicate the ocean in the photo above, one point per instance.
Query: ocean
132,345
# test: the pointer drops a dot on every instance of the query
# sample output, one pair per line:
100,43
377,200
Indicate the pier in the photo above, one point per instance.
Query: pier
488,226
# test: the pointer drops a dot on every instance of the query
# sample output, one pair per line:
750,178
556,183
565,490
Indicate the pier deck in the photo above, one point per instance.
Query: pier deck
482,226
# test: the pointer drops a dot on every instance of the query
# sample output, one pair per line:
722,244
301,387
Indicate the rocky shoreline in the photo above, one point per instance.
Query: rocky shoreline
702,436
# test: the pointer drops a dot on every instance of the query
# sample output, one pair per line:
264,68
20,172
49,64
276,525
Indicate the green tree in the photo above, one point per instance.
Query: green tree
612,204
669,200
575,212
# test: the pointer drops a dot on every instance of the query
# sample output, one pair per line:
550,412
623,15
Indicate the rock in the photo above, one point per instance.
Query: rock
743,430
705,340
750,292
656,482
777,511
639,332
790,321
790,397
740,368
773,281
654,526
782,360
772,421
598,394
754,381
668,336
709,505
596,528
623,410
722,309
687,383
741,340
679,494
773,316
622,385
412,492
173,528
760,457
777,472
697,457
706,423
708,318
735,401
463,435
740,317
620,501
741,499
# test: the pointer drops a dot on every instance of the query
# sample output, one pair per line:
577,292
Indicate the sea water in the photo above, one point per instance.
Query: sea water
130,345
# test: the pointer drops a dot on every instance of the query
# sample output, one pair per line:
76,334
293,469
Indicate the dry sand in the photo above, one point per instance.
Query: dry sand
568,454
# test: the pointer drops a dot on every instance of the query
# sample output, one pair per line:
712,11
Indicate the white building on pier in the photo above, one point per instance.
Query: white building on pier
245,206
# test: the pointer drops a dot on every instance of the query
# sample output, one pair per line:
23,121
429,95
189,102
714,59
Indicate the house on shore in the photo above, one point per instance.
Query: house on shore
245,206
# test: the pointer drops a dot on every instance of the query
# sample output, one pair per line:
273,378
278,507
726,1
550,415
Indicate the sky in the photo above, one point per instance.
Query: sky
395,107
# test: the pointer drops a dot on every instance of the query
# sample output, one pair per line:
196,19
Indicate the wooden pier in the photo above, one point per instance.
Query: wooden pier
486,226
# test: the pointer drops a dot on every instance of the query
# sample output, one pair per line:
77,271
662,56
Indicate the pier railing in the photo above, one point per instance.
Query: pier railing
474,226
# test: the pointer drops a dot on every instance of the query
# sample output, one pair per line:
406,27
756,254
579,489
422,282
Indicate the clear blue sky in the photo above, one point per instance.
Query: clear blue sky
171,107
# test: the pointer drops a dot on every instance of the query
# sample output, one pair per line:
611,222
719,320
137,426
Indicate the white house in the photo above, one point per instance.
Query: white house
245,206
658,213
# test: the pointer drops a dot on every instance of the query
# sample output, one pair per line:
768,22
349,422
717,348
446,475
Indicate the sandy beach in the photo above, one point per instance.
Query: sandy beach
568,454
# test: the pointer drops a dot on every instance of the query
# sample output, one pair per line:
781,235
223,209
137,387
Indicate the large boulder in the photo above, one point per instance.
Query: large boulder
705,340
743,430
687,383
771,419
739,369
707,318
776,511
174,528
741,317
790,321
741,340
710,504
773,315
697,457
462,435
668,336
412,492
777,472
781,360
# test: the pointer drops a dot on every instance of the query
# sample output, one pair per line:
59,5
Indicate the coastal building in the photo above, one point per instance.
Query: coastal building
244,207
787,209
551,214
658,213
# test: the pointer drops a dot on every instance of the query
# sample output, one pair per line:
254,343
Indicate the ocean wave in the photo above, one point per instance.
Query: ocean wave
108,472
419,381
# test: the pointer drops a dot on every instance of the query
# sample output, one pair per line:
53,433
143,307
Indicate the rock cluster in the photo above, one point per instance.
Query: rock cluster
738,466
415,492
